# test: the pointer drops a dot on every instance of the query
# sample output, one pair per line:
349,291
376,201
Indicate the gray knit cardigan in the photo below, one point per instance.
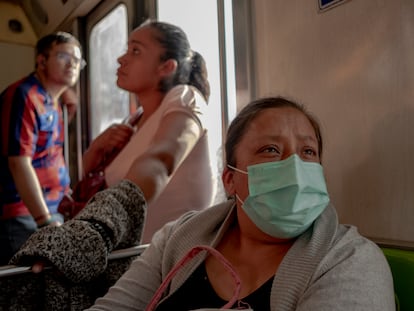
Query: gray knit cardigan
329,267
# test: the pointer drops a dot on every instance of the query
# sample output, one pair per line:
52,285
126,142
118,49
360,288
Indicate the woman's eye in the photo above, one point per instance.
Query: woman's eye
271,149
310,152
135,51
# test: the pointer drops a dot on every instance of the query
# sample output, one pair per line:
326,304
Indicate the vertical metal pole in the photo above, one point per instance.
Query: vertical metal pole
66,135
223,66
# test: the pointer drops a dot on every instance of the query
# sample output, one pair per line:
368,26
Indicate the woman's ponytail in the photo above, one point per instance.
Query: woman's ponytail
198,74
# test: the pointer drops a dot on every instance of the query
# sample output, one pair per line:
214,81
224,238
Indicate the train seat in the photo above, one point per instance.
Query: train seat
401,262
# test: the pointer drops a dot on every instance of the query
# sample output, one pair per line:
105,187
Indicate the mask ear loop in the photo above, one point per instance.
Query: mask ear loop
190,255
237,169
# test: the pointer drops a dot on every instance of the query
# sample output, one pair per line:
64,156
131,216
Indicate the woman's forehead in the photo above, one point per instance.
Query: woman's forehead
280,115
280,120
144,34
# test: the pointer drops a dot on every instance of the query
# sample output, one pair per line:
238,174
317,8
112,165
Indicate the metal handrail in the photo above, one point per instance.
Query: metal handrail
10,270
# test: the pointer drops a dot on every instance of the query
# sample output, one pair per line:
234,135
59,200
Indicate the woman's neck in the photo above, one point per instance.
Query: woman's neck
150,101
256,261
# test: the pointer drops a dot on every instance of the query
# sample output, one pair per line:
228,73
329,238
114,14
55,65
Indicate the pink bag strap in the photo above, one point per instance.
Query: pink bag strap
190,255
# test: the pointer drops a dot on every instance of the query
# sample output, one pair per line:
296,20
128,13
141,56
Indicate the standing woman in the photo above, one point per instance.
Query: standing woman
170,82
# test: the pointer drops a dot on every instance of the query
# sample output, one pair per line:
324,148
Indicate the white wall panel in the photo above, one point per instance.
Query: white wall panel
353,66
16,61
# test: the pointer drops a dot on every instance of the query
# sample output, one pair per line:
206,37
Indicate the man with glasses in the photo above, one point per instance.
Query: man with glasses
33,174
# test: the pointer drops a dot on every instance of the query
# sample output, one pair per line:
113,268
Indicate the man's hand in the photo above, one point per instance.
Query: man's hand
70,99
38,266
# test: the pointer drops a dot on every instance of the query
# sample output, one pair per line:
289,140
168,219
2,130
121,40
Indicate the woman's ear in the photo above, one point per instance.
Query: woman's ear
168,67
228,182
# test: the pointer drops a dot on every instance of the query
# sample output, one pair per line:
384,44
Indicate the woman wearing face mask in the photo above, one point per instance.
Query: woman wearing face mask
278,231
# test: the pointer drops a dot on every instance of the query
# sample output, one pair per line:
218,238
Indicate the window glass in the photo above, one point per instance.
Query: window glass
108,40
199,20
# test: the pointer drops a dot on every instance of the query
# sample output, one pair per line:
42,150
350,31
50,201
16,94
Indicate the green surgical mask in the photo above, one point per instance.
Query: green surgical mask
285,197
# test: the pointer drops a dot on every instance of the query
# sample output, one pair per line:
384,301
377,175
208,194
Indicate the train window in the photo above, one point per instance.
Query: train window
108,103
204,22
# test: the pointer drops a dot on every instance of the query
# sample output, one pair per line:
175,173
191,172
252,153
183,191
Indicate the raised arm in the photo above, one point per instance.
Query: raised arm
70,99
172,143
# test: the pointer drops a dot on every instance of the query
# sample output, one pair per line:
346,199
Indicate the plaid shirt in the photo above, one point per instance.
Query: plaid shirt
31,125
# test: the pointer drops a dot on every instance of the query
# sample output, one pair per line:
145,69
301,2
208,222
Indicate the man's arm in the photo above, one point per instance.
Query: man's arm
71,100
29,188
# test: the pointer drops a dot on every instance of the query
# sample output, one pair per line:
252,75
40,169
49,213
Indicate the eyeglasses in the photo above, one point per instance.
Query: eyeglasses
68,58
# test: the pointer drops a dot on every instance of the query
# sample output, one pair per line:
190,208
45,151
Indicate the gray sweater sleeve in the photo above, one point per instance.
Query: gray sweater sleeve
135,288
80,247
354,275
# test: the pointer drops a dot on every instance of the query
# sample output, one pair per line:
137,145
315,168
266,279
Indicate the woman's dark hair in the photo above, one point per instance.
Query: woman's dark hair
241,122
191,67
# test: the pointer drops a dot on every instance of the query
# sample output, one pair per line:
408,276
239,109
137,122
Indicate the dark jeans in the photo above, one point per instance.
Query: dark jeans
13,233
